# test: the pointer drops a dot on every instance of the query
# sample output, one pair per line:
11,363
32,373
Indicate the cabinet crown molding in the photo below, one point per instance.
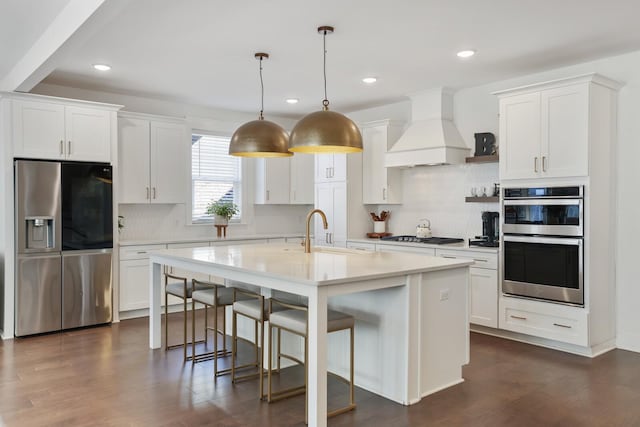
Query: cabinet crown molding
59,100
583,78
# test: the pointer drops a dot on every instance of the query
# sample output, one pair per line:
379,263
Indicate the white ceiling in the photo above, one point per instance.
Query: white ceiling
201,51
22,22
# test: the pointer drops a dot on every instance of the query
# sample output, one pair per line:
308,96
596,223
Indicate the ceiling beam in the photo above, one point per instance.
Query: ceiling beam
40,59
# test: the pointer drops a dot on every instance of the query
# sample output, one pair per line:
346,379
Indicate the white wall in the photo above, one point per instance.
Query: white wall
144,222
432,192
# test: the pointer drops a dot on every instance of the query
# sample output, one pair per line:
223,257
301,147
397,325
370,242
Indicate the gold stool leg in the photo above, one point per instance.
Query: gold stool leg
215,342
166,321
184,324
234,346
352,400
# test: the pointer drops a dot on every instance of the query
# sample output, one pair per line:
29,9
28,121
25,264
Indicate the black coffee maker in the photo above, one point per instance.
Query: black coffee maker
490,230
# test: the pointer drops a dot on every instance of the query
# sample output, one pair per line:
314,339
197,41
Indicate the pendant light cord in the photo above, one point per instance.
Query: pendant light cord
261,92
325,101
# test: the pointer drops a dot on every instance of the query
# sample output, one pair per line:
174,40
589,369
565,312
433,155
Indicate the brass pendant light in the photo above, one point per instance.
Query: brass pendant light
260,138
325,131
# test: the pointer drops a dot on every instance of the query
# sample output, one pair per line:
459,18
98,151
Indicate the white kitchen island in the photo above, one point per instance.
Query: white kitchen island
412,333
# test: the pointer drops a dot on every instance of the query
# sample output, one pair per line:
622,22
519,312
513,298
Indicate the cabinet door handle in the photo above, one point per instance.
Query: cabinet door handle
61,147
147,193
384,194
326,238
267,195
562,326
154,192
326,172
69,150
518,317
544,163
294,196
331,238
535,164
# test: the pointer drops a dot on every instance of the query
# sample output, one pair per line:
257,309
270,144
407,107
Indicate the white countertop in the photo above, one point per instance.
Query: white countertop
459,246
324,266
206,239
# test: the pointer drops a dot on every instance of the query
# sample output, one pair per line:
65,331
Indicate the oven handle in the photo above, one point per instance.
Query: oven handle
526,202
547,240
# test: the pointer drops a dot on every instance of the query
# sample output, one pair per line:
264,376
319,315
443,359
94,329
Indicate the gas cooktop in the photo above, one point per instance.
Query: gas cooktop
430,240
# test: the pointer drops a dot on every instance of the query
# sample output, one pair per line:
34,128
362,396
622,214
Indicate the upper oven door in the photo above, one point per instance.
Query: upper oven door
555,217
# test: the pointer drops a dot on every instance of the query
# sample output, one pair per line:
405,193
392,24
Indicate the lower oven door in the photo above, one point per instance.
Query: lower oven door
546,268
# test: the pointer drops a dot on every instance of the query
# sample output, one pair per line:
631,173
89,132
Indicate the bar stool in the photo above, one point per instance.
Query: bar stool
293,318
251,305
181,289
215,296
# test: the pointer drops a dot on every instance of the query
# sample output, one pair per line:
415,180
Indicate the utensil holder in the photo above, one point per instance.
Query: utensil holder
379,226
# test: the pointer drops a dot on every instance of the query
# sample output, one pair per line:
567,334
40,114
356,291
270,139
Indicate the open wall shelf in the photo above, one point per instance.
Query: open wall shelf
489,199
482,159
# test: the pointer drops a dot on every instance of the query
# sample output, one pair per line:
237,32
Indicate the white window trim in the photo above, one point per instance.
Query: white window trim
246,195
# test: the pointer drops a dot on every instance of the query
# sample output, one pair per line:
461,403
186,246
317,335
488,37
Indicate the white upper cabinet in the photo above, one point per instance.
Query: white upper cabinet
546,131
272,181
565,131
153,159
302,179
520,136
331,167
380,185
61,131
88,134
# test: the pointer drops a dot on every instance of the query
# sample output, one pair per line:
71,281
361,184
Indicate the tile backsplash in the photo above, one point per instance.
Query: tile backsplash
153,222
438,193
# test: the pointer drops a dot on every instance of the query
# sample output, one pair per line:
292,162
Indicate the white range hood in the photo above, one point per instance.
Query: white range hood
432,138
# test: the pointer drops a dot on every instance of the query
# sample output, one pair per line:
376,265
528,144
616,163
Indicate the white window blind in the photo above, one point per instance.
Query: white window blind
215,175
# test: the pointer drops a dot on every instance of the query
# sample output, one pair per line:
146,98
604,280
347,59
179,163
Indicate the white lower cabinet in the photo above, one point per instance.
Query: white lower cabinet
134,276
483,292
545,320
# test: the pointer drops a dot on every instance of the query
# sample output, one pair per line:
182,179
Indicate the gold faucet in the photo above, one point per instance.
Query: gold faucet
307,240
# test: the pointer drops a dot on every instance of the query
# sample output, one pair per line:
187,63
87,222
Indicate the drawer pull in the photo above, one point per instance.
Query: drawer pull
518,317
360,249
141,252
449,256
562,326
480,260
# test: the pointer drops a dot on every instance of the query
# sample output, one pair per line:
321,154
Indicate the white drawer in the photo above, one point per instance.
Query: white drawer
545,320
187,245
138,252
410,249
361,246
482,259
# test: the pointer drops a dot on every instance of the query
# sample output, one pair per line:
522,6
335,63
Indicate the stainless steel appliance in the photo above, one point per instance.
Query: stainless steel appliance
64,240
543,243
430,240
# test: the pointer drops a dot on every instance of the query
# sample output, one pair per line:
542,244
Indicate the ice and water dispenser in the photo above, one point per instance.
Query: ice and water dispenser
39,232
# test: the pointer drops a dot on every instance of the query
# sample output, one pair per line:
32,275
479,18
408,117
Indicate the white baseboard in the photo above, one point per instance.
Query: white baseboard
542,342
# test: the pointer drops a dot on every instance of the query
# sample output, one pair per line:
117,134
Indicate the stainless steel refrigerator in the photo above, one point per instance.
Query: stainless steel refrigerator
64,242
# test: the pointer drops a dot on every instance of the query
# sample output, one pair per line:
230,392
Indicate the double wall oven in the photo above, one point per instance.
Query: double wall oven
543,239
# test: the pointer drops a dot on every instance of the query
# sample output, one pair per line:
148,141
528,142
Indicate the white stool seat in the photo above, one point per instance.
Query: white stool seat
251,308
208,296
296,321
177,289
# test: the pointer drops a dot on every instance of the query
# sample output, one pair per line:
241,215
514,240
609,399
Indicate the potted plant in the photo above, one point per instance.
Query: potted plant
223,211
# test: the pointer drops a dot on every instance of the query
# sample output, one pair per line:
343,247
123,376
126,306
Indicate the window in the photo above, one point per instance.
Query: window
215,175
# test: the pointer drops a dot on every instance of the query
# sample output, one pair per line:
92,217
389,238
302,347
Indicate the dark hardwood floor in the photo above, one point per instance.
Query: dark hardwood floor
109,376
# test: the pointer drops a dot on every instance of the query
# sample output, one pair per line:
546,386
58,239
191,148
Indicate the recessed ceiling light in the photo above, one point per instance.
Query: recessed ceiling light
102,67
369,80
292,100
466,53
